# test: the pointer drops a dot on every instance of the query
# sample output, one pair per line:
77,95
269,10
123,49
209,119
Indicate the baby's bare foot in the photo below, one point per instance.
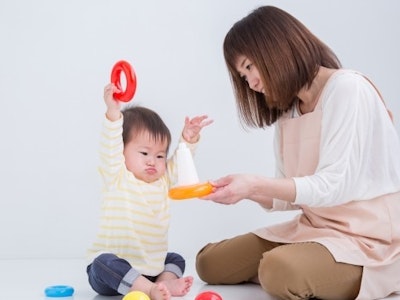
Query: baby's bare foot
159,291
179,286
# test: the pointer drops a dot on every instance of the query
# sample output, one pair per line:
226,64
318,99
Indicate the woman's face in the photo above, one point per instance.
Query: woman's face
249,72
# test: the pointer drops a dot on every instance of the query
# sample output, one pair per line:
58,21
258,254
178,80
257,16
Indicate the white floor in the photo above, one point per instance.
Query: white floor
27,280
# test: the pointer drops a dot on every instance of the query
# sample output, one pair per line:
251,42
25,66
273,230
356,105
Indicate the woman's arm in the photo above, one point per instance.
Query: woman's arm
262,190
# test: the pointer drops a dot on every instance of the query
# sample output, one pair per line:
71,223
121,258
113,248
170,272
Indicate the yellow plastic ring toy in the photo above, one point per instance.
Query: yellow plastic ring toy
136,295
190,191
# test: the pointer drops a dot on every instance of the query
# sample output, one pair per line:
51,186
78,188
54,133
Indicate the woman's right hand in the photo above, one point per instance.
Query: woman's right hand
233,188
230,189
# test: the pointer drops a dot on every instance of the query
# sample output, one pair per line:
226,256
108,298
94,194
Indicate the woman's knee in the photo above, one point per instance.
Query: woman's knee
306,270
205,264
232,260
275,273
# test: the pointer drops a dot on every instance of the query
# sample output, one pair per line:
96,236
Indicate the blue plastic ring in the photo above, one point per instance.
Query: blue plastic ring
59,291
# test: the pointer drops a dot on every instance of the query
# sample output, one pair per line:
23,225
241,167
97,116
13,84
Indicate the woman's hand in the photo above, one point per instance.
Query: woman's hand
233,188
192,128
230,189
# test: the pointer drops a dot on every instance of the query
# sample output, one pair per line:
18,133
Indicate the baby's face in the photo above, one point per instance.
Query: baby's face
145,157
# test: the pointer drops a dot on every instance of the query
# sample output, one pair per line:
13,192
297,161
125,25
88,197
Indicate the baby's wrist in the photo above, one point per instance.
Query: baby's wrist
192,140
113,115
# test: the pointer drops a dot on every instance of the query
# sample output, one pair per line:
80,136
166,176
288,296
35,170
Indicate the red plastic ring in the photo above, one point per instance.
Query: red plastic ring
124,66
208,295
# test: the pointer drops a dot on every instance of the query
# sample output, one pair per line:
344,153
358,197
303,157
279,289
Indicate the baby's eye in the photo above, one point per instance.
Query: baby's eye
143,153
160,156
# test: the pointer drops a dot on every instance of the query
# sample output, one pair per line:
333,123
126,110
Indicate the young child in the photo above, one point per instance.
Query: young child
130,251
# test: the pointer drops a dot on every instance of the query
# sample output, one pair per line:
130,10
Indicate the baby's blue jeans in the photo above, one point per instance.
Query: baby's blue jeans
110,275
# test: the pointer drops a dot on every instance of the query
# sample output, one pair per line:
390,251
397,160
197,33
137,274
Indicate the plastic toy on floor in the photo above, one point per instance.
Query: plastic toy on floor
130,76
188,182
208,295
136,295
59,291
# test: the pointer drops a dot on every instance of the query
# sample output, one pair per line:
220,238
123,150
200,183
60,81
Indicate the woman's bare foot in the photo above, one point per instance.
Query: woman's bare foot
159,291
179,286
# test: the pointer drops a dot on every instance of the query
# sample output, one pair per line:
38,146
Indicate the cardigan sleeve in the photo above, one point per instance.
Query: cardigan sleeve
357,148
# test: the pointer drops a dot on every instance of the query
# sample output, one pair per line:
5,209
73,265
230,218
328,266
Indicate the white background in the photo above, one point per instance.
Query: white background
56,57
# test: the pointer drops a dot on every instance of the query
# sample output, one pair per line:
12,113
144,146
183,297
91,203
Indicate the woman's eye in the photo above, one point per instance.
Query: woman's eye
248,67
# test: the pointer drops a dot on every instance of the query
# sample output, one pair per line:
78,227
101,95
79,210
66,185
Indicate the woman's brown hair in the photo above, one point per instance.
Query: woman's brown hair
287,56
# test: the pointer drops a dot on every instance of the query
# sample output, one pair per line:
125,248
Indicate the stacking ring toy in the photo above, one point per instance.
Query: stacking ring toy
136,295
209,295
59,291
124,66
190,191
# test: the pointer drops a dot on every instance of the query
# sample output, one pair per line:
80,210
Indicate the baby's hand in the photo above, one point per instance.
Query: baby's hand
191,131
113,106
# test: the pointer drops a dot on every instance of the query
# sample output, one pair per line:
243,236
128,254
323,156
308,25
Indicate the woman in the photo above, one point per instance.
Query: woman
337,158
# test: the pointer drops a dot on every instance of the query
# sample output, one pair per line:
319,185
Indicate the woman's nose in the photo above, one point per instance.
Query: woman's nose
253,82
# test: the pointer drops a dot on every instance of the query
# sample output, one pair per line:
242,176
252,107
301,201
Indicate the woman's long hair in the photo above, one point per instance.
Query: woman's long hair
287,56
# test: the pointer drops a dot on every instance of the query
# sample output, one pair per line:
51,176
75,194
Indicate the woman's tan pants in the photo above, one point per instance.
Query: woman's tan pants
288,271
